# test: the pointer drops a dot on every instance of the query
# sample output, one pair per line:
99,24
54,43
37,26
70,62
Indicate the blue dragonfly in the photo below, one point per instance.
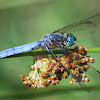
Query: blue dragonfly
56,39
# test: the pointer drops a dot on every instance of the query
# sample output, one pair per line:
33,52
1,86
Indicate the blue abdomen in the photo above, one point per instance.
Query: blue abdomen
20,49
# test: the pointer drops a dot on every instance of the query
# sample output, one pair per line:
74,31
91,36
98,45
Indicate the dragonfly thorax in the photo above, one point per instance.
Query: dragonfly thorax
55,40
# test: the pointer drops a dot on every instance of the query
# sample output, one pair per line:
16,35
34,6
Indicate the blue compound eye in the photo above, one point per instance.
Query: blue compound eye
70,39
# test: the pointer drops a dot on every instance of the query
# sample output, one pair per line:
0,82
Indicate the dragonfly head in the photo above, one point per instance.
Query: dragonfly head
70,39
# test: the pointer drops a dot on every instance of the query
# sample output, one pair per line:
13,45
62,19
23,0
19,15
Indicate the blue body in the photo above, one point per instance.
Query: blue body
55,40
49,42
20,49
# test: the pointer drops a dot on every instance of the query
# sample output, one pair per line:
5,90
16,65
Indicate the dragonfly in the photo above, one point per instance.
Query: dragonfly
56,39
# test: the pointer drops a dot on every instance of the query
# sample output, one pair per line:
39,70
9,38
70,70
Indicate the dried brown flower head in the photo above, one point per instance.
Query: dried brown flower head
45,72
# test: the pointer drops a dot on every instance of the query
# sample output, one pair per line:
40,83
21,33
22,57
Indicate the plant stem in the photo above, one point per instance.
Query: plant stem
96,49
41,52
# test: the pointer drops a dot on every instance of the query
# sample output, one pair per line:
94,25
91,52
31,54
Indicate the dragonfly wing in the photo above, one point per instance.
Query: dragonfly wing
85,24
94,73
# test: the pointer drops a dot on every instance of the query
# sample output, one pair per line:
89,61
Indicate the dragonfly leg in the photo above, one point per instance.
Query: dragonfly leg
60,45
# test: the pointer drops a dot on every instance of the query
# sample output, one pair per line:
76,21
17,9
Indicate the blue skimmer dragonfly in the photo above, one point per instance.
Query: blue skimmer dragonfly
55,39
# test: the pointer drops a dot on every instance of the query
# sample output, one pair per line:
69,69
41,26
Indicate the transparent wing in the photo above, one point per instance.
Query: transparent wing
81,25
94,73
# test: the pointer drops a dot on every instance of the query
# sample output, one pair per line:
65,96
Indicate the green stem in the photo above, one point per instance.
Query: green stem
96,49
41,52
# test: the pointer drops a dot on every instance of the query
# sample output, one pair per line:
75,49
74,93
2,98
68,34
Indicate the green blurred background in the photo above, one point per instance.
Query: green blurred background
25,21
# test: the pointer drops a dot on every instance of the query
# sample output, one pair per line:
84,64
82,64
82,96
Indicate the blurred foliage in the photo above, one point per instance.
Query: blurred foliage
25,21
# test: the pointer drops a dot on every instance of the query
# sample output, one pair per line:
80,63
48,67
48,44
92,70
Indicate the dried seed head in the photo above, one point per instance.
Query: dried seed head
87,79
83,79
91,60
22,76
45,72
65,74
84,75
